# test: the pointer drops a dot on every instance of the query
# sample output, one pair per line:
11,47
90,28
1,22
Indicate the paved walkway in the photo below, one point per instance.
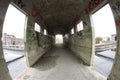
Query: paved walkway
16,67
60,64
11,55
103,61
108,54
103,65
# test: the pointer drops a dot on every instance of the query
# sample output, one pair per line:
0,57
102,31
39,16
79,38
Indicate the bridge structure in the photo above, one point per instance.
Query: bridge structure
106,46
74,59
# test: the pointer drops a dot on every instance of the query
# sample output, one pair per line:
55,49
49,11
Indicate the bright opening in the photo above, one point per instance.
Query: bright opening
105,38
72,31
37,27
13,40
45,32
80,26
59,39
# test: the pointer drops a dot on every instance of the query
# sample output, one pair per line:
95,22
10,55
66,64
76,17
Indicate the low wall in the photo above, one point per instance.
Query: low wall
81,44
36,44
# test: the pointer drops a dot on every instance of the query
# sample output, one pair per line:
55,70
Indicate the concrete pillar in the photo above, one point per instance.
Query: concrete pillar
115,73
75,29
4,73
90,39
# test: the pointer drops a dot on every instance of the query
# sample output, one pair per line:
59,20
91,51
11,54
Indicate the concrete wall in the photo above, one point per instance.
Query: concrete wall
84,46
34,51
115,7
36,44
4,73
80,44
115,73
35,47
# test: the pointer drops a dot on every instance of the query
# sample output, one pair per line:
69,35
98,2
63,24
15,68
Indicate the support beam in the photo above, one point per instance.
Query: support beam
4,73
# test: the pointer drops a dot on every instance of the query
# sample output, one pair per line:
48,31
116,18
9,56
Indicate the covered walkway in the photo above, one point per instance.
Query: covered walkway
60,64
47,18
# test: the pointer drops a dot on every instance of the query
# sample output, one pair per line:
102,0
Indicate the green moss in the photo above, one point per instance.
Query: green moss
31,39
87,33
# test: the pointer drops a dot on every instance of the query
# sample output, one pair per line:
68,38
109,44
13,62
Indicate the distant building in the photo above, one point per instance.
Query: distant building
8,40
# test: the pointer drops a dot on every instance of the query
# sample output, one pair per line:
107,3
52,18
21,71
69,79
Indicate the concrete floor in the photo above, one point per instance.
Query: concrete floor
60,64
103,65
16,67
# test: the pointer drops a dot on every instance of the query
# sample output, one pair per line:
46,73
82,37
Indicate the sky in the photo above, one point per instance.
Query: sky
14,22
59,39
103,22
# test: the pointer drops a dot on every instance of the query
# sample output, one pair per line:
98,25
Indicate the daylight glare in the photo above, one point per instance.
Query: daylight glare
14,22
104,22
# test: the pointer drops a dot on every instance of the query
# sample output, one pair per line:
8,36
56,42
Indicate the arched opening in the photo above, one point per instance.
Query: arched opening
105,39
13,38
58,39
80,26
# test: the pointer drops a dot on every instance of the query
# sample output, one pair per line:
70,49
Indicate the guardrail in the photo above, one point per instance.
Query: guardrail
16,48
107,46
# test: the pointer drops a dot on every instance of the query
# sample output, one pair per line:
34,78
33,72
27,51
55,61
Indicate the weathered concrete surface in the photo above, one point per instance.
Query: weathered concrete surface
57,17
36,44
60,64
4,73
80,44
115,73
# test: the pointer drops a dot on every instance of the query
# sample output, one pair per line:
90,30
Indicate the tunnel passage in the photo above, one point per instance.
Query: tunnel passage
61,64
59,17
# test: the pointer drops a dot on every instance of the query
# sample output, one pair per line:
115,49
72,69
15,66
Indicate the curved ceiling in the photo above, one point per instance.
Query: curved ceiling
58,15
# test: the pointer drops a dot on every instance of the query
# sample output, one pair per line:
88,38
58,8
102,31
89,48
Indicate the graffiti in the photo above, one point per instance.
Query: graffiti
36,14
19,3
116,7
85,25
76,19
92,4
80,34
118,22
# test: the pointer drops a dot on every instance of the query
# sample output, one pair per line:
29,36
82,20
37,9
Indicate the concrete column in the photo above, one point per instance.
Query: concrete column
87,26
115,73
75,29
4,73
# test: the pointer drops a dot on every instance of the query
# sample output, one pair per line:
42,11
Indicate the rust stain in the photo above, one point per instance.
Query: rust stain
92,4
76,19
118,22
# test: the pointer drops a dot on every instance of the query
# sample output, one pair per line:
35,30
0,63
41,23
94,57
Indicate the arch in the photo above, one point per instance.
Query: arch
4,70
115,7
